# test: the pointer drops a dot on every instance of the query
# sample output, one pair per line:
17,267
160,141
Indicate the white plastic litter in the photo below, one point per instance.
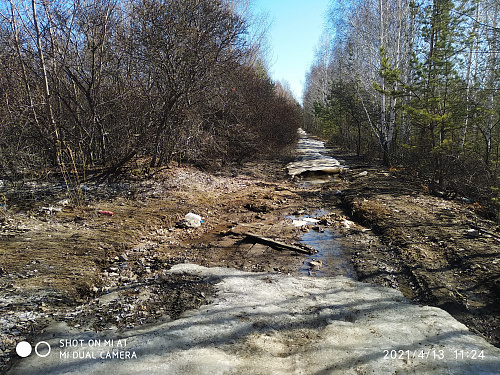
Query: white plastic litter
305,221
193,220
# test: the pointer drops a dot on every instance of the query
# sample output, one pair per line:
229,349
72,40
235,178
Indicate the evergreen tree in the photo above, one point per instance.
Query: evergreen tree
435,103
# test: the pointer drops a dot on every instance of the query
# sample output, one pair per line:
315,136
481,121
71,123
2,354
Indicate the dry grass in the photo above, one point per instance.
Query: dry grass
67,250
370,211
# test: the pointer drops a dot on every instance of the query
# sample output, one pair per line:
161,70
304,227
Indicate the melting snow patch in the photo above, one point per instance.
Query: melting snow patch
262,323
305,221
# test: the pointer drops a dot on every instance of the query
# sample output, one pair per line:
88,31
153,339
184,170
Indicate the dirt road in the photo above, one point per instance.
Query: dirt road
108,272
269,323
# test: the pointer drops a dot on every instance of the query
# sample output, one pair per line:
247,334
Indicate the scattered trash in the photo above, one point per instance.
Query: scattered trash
362,174
50,210
348,224
305,221
190,221
472,233
64,202
107,213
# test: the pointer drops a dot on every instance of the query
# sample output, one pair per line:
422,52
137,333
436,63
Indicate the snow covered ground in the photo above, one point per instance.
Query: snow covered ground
262,323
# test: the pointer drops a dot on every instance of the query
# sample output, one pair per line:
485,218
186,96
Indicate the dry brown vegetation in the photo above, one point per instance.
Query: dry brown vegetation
97,84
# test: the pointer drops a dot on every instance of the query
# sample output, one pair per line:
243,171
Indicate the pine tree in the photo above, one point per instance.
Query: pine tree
435,104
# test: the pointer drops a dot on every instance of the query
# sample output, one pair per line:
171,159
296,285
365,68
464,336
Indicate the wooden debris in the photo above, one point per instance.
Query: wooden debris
277,244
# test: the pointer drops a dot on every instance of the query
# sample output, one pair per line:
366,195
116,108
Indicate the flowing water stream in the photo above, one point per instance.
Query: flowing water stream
331,259
315,166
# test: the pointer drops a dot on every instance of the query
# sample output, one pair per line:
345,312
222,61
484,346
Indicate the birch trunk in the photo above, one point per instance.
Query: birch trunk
56,140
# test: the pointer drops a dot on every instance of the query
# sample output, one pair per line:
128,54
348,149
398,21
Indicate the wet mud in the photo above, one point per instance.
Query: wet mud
421,245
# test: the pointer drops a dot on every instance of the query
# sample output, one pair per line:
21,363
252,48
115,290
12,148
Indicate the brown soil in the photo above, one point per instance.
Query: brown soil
107,272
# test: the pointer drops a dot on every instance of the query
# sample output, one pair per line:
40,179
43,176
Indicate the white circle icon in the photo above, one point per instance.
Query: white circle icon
23,349
42,355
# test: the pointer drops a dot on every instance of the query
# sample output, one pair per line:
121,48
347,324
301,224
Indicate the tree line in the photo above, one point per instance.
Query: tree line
96,83
414,82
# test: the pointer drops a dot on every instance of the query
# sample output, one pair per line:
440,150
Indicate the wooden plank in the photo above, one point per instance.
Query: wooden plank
277,244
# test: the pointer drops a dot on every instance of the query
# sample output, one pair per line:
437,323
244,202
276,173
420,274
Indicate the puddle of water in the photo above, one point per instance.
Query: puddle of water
315,166
334,261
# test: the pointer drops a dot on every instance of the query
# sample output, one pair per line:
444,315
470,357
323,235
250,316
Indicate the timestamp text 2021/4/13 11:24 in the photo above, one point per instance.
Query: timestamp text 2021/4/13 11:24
433,354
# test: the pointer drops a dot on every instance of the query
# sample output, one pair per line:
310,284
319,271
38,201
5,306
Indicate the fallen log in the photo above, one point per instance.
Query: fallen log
276,244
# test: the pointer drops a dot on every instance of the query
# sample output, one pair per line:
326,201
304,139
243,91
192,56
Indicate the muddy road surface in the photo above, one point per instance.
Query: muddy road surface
436,251
66,262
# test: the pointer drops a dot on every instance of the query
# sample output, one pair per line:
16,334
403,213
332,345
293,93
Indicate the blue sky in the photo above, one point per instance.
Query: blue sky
296,27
